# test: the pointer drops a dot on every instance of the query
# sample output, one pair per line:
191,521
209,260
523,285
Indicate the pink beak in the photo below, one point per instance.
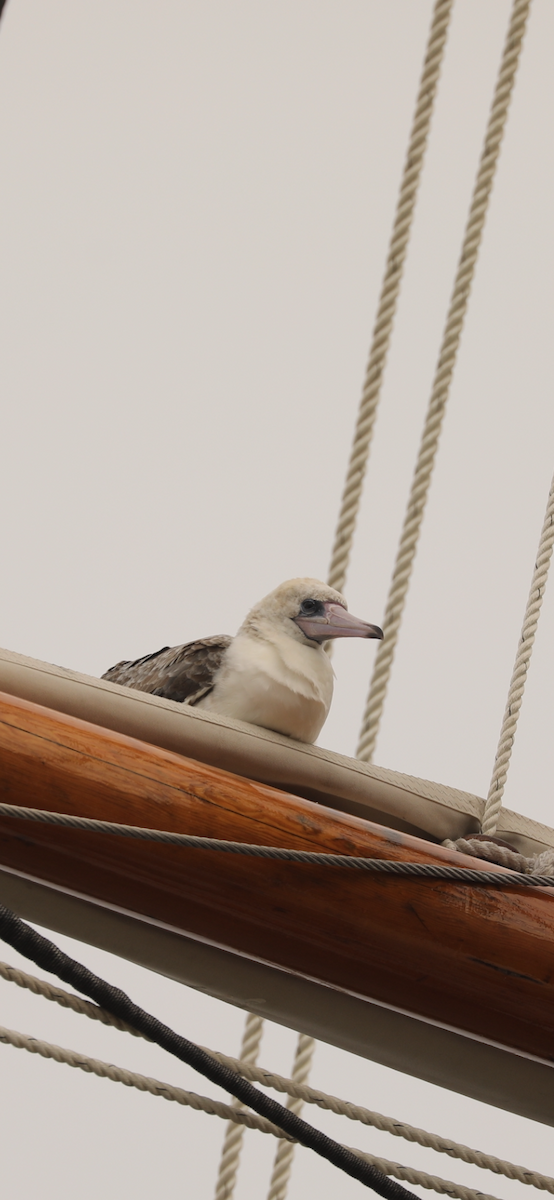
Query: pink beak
336,622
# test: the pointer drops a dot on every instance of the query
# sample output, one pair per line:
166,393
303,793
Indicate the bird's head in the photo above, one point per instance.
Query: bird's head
309,611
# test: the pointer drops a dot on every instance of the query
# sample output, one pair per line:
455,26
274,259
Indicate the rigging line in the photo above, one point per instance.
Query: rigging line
282,1164
390,288
144,1083
50,958
493,802
378,866
354,1112
441,384
216,1108
366,416
234,1133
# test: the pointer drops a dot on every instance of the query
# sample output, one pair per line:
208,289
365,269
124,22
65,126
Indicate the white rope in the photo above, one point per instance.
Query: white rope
50,991
95,1066
410,1133
521,666
441,384
542,863
298,1090
284,1155
234,1134
205,1104
390,288
420,1178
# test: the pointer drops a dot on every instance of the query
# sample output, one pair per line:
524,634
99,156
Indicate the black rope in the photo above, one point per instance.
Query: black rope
376,866
50,958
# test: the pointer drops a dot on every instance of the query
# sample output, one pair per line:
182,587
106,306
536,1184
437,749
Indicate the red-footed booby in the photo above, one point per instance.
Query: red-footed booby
274,673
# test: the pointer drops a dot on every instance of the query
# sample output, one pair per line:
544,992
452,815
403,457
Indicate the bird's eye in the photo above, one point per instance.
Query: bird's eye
311,608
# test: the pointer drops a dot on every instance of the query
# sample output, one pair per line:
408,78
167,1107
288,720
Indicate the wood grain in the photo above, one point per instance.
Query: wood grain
478,960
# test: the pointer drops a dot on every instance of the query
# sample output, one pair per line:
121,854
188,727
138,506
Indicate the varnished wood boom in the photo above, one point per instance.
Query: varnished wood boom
475,959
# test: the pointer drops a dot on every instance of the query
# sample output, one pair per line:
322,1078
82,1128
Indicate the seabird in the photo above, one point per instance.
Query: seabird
274,673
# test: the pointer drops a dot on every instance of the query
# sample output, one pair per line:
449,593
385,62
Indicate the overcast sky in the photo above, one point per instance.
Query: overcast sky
195,204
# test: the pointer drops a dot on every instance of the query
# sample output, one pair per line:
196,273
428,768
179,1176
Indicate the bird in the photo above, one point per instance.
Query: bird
274,673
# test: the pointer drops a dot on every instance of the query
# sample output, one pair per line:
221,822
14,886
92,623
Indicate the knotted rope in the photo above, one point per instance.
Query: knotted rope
542,863
390,288
441,384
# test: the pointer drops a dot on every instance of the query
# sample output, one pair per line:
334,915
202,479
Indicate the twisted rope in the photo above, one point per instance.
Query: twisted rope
284,1155
521,666
296,1088
490,852
445,1187
390,288
104,1070
441,384
144,1083
542,863
234,1133
378,866
49,957
356,1112
85,1008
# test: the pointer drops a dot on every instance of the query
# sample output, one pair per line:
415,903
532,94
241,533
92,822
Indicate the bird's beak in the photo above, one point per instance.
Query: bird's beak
336,622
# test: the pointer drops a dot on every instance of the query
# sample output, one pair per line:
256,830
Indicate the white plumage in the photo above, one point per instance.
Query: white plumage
274,673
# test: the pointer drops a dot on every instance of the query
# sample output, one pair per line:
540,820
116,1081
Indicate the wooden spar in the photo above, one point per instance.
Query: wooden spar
474,959
422,807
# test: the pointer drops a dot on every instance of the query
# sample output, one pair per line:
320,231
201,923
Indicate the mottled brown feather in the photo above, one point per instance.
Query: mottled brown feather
181,673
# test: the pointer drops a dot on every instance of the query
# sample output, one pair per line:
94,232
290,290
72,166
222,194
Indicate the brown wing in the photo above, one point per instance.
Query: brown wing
176,672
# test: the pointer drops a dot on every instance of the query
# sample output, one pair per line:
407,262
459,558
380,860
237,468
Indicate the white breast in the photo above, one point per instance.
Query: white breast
281,685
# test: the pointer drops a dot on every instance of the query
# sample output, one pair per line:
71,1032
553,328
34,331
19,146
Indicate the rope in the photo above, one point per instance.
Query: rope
296,1088
282,1165
390,288
379,866
521,666
49,991
95,1066
50,958
444,1186
542,863
410,1133
351,497
441,384
234,1134
491,853
216,1108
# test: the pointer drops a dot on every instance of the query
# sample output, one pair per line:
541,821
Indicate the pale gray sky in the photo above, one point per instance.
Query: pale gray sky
195,203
